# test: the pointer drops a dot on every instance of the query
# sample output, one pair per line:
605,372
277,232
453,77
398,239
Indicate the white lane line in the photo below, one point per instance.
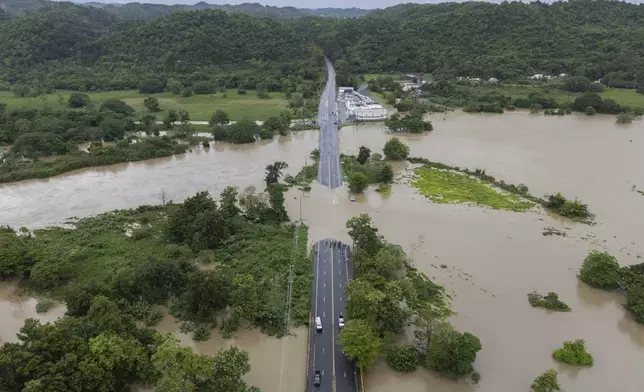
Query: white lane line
340,299
323,299
323,314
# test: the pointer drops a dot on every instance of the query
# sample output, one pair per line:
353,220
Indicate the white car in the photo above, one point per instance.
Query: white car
341,321
318,324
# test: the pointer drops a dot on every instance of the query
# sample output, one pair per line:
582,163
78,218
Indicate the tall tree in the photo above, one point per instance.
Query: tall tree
363,155
361,343
274,172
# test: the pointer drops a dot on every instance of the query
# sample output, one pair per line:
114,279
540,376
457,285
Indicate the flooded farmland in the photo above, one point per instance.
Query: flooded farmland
493,258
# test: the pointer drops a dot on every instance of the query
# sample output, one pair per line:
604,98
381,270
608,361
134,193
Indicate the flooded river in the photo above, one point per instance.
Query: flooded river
493,258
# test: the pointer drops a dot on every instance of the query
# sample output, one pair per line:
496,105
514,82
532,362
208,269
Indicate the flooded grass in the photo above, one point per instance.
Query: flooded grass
447,187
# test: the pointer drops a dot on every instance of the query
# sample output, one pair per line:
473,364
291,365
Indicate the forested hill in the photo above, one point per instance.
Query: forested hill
145,11
91,46
587,37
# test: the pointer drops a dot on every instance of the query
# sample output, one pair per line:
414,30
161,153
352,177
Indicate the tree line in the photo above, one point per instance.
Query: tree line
76,46
138,11
387,295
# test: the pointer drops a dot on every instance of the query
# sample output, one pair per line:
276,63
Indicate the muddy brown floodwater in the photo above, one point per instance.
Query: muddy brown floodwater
494,258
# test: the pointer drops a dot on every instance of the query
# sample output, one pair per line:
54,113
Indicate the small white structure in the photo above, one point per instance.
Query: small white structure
540,77
493,80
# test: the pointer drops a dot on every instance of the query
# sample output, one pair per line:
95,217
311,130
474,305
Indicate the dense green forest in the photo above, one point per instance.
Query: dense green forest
145,11
77,47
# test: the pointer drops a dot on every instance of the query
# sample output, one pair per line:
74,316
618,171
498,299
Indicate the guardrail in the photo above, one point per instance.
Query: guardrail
308,353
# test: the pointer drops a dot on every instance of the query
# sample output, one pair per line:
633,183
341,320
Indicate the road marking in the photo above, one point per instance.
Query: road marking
324,285
323,299
333,329
345,374
323,314
340,299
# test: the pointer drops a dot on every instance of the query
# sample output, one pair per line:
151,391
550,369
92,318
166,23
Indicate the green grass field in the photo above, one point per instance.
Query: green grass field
624,97
448,187
200,107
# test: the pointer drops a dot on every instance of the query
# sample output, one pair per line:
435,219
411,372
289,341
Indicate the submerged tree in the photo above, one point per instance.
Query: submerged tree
274,172
363,155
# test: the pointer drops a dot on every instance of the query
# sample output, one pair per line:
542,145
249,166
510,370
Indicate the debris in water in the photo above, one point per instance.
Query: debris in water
554,231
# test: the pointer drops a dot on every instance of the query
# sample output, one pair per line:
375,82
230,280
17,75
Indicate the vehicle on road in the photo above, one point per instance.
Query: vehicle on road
318,324
341,321
317,378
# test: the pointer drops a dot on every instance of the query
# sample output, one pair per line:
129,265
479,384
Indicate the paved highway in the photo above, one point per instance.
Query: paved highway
329,172
332,270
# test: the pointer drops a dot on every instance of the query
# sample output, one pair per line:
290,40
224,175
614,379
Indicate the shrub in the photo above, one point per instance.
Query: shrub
44,305
403,358
395,149
589,110
154,318
151,86
547,382
78,100
571,209
550,301
117,106
574,353
203,87
358,182
624,118
600,270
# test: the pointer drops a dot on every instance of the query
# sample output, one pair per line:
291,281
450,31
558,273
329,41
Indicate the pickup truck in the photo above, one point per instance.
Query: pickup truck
317,379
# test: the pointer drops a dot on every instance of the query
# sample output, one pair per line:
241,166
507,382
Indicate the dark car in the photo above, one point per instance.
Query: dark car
317,379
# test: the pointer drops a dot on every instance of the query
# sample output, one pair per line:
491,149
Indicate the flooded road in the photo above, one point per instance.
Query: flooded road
494,258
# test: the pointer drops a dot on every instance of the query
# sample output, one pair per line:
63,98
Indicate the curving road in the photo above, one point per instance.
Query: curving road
332,269
329,172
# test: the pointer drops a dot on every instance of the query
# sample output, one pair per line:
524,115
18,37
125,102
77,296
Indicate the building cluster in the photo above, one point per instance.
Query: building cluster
359,107
478,80
546,77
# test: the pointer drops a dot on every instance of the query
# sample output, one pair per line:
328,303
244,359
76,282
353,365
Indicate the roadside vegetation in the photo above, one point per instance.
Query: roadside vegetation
574,353
441,182
602,271
550,301
387,295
